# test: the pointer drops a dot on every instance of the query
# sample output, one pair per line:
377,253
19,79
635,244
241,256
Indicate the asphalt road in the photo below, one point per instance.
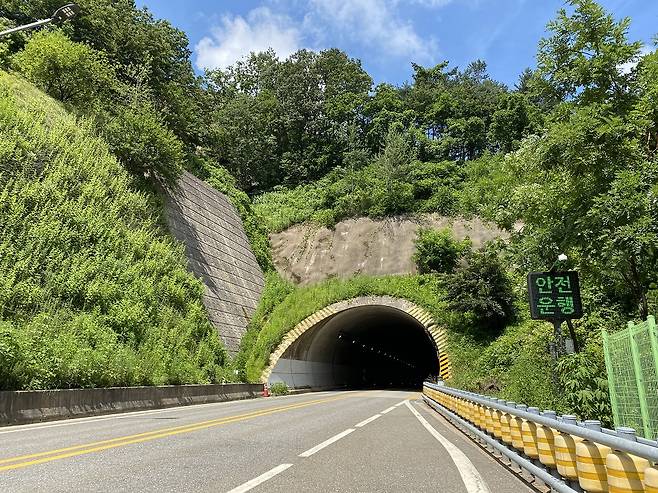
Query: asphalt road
373,441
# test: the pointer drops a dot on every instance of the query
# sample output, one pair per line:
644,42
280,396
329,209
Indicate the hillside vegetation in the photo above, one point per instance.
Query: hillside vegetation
568,154
93,292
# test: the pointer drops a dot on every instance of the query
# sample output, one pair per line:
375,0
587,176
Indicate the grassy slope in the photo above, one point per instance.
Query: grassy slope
92,291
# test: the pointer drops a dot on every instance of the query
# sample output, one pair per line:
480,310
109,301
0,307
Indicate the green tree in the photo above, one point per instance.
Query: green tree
581,60
286,121
513,120
70,72
483,288
438,250
585,185
130,36
137,135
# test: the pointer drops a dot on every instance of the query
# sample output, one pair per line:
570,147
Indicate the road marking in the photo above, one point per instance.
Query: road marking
125,415
326,443
369,420
388,410
260,479
63,453
401,403
470,476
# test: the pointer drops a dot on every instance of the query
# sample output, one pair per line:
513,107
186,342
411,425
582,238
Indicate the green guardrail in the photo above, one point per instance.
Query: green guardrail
631,360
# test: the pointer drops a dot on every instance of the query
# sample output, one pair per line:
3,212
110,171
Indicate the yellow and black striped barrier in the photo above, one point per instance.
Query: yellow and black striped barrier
582,455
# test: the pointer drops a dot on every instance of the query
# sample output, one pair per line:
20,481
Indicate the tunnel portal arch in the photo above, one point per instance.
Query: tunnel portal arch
312,349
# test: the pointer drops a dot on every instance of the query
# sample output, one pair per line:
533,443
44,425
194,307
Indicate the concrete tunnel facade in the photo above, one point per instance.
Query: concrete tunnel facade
366,342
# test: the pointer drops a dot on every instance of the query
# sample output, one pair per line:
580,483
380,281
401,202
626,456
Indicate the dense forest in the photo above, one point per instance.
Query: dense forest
565,160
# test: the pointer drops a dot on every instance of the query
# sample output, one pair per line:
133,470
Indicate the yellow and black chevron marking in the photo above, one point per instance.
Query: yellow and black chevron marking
438,334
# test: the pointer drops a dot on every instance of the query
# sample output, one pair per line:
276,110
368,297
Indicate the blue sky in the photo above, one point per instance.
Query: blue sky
386,35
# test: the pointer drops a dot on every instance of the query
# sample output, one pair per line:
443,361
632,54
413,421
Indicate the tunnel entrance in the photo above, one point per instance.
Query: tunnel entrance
366,346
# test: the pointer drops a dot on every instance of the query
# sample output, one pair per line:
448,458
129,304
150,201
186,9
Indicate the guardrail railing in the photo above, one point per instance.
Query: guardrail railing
566,454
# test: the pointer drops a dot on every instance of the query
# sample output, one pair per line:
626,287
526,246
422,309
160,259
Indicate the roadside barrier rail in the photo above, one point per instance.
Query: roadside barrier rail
565,454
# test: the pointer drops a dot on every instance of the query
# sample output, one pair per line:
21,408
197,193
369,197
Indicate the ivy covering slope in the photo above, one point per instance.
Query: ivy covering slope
92,291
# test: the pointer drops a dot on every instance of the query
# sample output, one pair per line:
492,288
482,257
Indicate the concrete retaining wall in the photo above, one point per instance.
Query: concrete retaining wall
218,252
28,406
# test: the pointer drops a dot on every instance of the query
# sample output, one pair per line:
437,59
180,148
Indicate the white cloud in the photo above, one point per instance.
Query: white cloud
377,25
432,3
373,23
237,37
627,68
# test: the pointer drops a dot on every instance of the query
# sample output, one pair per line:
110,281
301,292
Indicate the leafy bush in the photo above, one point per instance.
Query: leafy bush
92,291
279,388
125,115
484,289
438,251
71,72
584,382
515,366
138,137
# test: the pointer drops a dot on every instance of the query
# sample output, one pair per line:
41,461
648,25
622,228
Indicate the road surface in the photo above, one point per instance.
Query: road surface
371,441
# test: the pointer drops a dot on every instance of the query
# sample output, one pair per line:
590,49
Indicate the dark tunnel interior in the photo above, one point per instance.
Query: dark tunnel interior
370,346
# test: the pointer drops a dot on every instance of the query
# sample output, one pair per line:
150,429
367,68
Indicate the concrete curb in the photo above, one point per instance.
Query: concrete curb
29,406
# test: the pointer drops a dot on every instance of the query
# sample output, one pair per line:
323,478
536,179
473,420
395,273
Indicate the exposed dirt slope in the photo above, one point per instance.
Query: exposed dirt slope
307,253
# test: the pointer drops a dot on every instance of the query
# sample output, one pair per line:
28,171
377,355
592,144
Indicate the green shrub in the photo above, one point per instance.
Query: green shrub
584,383
484,289
438,250
516,365
142,142
279,388
70,72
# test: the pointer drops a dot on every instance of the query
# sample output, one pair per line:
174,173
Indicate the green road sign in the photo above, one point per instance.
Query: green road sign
554,295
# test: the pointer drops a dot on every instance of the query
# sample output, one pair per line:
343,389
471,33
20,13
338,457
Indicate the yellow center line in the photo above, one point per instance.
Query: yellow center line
87,448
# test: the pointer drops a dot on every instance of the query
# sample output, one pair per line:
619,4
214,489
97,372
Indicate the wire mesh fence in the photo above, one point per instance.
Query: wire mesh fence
631,358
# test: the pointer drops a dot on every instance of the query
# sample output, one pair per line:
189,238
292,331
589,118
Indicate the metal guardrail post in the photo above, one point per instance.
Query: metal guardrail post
587,456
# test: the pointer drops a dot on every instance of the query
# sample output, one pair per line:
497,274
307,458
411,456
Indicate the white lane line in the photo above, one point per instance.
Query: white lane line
388,410
326,443
470,476
366,421
401,403
260,479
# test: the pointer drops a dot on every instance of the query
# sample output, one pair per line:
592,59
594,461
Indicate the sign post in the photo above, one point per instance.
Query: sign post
555,297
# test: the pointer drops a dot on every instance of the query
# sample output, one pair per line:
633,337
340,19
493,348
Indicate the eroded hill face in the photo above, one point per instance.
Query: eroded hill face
306,253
